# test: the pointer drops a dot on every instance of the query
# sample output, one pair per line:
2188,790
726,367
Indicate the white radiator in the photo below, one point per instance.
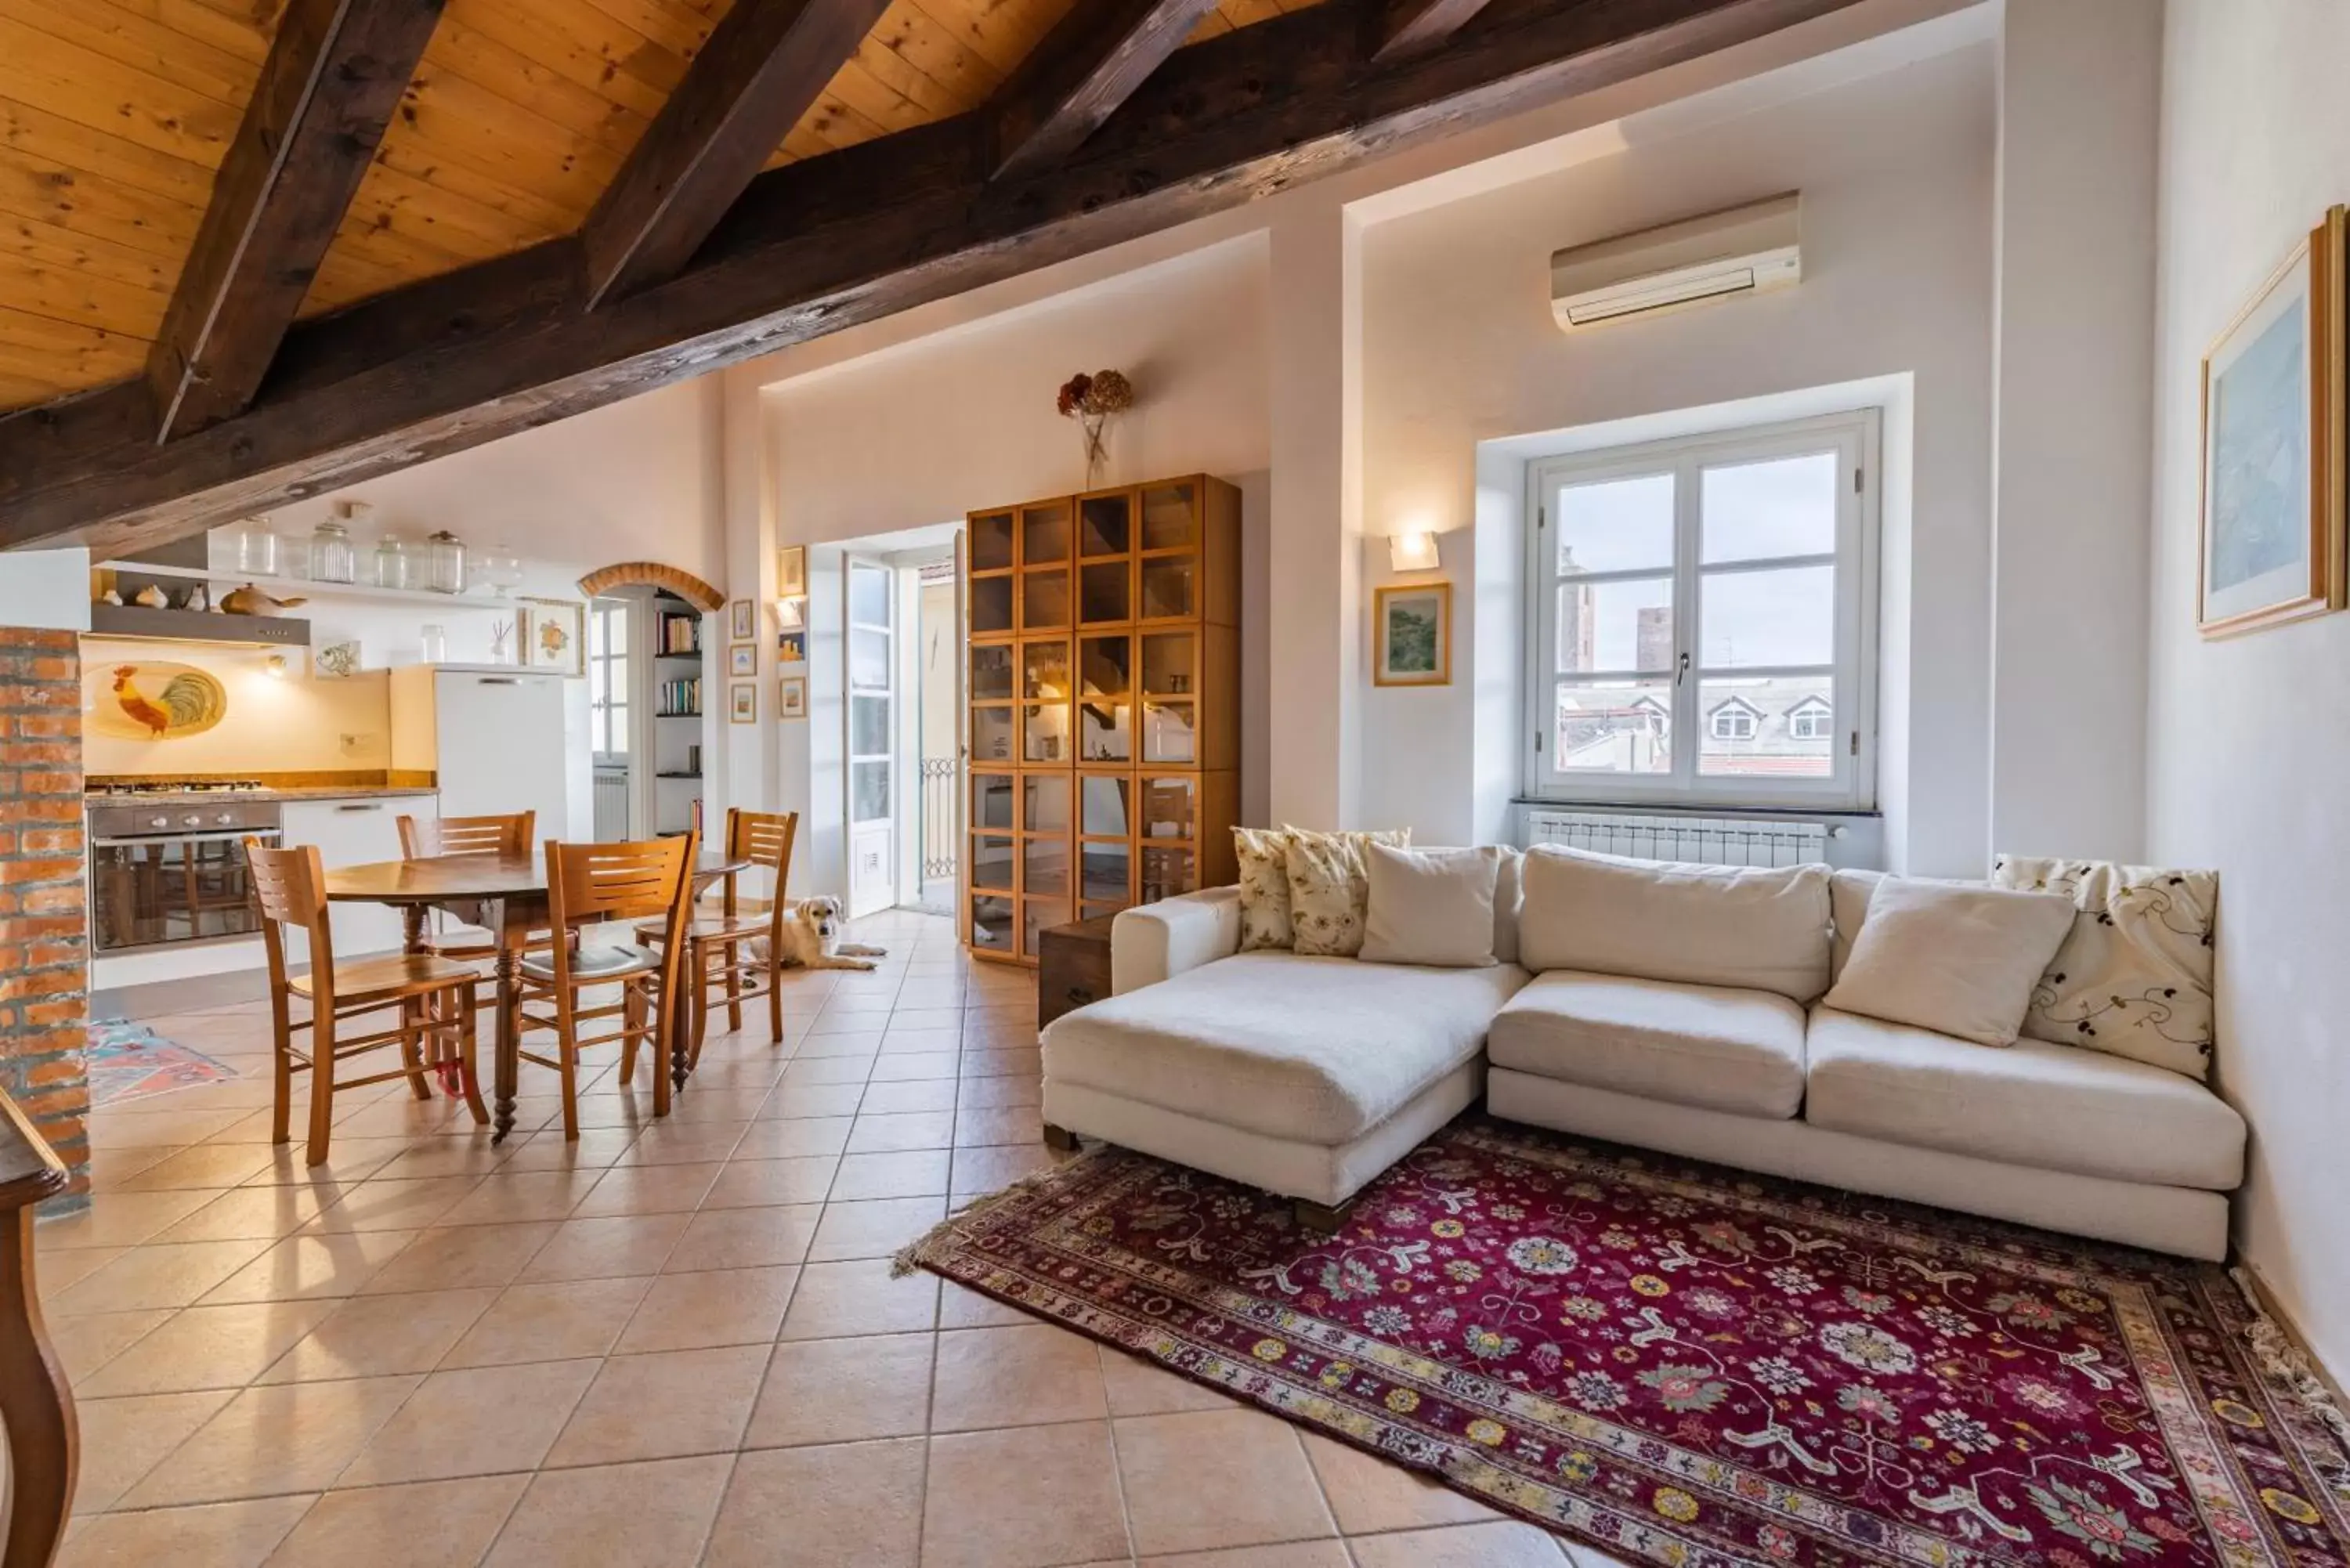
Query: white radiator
1705,840
611,805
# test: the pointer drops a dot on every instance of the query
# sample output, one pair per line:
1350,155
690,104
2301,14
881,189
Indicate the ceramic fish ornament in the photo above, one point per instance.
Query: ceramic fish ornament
152,598
111,597
250,600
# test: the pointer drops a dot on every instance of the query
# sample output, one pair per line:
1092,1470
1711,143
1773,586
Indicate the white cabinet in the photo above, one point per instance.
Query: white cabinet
355,833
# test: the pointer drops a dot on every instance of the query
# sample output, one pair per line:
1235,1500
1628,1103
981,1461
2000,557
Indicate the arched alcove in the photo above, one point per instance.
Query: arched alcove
652,574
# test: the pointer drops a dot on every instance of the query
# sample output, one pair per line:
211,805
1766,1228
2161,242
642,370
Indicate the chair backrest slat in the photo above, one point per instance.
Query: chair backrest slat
289,887
764,839
425,838
587,883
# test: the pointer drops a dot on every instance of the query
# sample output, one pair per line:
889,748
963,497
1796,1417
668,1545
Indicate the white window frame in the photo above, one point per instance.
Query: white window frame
1804,719
1730,708
1856,437
618,659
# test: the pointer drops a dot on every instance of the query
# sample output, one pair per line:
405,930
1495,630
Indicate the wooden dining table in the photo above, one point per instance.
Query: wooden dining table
504,895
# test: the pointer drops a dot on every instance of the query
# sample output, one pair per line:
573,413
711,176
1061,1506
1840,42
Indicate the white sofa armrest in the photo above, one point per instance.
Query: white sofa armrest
1151,942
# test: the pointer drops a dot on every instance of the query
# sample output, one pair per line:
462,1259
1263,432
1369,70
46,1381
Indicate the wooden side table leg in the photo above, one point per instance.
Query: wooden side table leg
508,1071
43,1438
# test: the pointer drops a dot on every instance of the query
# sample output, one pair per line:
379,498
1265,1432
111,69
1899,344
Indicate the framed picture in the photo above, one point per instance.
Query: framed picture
742,703
743,659
791,571
791,648
742,621
791,697
2271,518
552,635
1412,623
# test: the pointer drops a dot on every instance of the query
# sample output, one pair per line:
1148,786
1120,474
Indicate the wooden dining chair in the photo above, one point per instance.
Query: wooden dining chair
610,886
717,968
429,838
432,996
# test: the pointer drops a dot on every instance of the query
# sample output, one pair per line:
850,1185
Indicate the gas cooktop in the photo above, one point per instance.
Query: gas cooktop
192,786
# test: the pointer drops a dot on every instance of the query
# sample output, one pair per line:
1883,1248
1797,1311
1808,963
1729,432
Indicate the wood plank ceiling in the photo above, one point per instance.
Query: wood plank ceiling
115,116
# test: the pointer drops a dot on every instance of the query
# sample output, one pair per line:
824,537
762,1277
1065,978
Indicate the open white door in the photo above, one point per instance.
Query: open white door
872,737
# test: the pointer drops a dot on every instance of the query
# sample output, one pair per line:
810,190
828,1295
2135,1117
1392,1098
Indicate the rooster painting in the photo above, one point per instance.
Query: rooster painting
153,701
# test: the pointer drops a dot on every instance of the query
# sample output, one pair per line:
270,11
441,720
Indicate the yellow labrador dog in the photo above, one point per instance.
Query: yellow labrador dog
812,939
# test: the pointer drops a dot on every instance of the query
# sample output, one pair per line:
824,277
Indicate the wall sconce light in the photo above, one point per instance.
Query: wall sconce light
275,665
1414,551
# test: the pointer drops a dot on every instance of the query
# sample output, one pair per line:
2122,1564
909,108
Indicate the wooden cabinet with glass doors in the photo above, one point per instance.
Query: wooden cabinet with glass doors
1104,705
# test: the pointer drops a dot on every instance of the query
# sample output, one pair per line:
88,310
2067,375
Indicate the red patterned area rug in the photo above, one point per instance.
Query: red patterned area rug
1690,1366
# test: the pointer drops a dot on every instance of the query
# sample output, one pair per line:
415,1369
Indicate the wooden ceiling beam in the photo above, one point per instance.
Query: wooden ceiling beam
765,65
1090,63
824,244
1408,27
331,85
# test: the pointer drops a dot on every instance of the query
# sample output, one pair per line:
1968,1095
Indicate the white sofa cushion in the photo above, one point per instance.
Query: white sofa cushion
1329,891
1959,960
2034,1103
1745,927
1147,942
1848,895
1263,856
1429,906
1315,1050
1739,1051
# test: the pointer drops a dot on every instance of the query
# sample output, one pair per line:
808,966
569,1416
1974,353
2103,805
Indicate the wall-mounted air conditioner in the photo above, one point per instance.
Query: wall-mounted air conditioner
1743,250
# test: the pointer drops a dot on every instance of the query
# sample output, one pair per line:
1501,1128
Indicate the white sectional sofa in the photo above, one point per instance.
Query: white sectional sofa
1308,1076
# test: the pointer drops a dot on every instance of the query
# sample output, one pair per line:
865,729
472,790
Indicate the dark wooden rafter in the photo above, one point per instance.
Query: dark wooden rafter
1410,26
824,244
764,64
331,85
1090,63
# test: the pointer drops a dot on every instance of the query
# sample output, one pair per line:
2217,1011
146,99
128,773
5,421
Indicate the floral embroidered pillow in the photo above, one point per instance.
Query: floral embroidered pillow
1330,888
2134,975
1264,856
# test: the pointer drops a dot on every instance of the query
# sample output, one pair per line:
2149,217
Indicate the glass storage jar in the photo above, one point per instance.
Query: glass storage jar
333,557
256,548
391,563
446,563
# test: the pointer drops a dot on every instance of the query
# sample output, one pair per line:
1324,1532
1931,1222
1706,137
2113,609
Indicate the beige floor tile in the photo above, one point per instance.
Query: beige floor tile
119,1218
1368,1493
309,1267
803,1137
429,1524
108,1167
905,1130
215,1535
1287,1554
157,1275
129,1128
977,1126
859,1298
218,1164
483,1420
1001,1062
1503,1545
1215,1479
961,1307
997,1167
252,1213
349,1159
914,1173
675,1142
695,1311
86,1343
463,1257
1137,1388
857,1505
447,1157
901,1097
651,1513
843,1390
914,1066
649,1189
745,1238
1023,1497
372,1336
605,1248
388,1203
60,1270
291,1437
663,1406
1021,1376
800,1101
122,1439
873,1229
594,1149
510,1198
554,1320
208,1347
1016,1089
748,1182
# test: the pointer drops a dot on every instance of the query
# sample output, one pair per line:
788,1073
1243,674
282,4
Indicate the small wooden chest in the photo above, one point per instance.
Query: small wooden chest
1073,967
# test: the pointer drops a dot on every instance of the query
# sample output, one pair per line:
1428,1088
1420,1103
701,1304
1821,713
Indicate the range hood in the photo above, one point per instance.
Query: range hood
181,566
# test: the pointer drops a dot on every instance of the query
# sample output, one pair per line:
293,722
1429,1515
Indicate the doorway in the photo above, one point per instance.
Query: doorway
872,623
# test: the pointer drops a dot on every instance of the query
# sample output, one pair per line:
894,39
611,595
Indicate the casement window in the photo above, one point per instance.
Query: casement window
1703,614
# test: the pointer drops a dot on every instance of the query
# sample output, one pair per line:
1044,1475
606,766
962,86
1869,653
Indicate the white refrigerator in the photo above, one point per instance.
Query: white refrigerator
495,739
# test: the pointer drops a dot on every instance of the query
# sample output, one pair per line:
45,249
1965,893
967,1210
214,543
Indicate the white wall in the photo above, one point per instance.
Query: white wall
2250,737
1458,347
45,590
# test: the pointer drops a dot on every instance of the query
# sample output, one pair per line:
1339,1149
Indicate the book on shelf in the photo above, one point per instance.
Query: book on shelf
681,633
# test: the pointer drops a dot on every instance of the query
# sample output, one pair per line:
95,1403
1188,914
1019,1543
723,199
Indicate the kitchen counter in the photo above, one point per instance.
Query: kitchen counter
163,794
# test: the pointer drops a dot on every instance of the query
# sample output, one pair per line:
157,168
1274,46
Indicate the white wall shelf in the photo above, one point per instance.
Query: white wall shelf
292,587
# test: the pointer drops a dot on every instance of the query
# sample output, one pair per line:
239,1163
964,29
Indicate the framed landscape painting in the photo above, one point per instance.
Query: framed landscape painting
1412,626
2272,533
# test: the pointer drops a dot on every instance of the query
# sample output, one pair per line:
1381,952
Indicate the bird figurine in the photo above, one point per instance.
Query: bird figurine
250,600
152,598
186,701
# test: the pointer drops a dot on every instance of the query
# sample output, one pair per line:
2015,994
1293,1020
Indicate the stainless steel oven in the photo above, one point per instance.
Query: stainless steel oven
173,871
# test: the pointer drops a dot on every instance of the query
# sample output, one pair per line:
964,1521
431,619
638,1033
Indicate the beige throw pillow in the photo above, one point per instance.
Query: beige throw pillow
2134,975
1432,906
1959,961
1752,928
1263,857
1329,891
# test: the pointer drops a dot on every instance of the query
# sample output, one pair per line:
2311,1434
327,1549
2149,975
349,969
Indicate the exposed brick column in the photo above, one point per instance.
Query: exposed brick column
44,930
